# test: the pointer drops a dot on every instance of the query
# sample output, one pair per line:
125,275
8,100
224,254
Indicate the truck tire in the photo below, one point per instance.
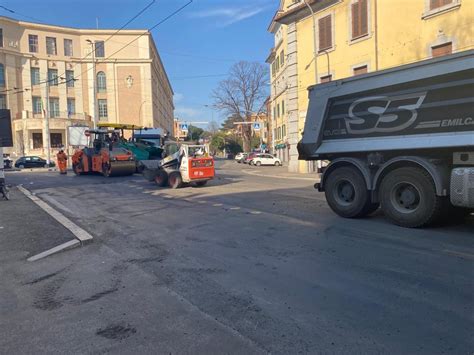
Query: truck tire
408,198
161,178
175,181
347,194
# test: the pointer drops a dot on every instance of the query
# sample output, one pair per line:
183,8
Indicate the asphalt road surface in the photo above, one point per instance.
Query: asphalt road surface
248,264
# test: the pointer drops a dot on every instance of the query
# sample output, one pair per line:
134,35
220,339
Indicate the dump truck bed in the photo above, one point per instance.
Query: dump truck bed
429,104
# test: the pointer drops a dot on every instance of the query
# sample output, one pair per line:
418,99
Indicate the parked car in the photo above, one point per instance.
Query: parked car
265,159
240,157
32,162
249,158
7,162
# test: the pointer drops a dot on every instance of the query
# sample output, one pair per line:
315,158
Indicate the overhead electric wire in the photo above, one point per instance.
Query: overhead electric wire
19,13
123,47
87,55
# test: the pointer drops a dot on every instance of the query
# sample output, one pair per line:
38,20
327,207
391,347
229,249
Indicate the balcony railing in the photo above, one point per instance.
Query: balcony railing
54,115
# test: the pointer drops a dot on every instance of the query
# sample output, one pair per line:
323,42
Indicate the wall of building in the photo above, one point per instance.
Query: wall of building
399,32
134,93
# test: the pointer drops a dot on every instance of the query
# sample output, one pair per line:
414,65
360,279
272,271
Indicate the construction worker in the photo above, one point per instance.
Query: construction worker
62,162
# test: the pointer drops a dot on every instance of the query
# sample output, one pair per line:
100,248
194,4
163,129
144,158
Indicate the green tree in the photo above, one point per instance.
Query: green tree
218,142
194,133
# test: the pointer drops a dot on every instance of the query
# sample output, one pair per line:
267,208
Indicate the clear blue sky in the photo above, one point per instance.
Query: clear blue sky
205,39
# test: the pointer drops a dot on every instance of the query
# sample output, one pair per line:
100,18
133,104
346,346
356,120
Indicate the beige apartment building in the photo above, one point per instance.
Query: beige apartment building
59,77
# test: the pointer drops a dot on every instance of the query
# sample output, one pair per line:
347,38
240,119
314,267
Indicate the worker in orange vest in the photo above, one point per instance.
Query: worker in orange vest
62,162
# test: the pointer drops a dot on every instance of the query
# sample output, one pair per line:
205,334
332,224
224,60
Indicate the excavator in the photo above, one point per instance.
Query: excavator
104,155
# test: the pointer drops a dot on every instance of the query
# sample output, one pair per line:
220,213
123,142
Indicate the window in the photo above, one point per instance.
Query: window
35,76
54,107
279,132
3,101
283,128
51,48
434,4
68,47
2,75
277,64
442,49
326,78
37,105
1,37
101,82
53,77
359,13
274,112
325,33
273,68
103,109
99,49
282,58
71,107
37,140
33,43
56,140
70,78
283,107
360,70
278,110
274,133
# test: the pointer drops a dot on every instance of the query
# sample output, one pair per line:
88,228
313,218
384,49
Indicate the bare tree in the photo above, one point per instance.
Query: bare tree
213,127
243,94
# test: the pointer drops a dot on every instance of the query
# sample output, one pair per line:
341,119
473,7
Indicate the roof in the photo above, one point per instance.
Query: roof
300,11
78,31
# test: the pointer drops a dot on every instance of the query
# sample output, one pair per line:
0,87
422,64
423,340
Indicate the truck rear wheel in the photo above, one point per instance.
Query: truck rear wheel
347,194
408,198
175,181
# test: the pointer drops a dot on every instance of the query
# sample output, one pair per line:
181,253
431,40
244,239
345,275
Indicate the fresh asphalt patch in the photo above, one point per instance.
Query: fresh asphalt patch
26,230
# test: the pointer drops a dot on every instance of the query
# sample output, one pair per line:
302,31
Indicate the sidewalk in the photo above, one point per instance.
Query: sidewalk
26,230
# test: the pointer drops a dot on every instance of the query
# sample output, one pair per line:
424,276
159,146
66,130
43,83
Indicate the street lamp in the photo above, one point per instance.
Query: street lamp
93,81
315,44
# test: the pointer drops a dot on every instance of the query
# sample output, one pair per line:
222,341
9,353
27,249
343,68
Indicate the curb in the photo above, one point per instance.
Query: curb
80,234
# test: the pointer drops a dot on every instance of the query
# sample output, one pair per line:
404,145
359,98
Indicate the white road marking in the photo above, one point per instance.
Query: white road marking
217,204
235,208
71,244
77,231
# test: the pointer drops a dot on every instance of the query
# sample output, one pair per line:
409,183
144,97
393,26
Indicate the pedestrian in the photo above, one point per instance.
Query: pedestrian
62,162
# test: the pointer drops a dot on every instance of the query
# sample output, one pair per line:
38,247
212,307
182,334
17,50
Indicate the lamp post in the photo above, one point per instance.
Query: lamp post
315,44
94,74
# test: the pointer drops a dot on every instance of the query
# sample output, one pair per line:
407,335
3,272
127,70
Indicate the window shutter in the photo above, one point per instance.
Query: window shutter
363,18
434,4
360,70
355,20
443,49
325,33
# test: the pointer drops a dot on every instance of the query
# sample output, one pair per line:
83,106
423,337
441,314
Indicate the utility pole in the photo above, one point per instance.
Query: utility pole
315,44
94,75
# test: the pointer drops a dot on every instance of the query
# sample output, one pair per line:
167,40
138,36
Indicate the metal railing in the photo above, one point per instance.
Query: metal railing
53,115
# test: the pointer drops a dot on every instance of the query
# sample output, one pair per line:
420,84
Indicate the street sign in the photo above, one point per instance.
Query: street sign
183,126
256,126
